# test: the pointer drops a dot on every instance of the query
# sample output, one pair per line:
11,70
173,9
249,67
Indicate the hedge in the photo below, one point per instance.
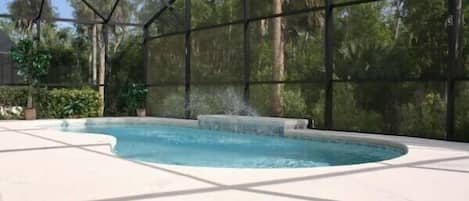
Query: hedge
13,96
56,103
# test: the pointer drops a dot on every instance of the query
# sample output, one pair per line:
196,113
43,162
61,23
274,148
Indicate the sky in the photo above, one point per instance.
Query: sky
62,7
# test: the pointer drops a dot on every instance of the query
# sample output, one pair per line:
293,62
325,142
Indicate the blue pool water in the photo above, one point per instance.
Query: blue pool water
196,147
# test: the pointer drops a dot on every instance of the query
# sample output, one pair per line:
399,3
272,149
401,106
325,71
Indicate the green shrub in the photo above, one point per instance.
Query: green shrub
462,113
13,96
56,103
63,103
348,115
424,118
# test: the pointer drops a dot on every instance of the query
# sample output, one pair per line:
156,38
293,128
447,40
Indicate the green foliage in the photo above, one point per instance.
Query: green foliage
136,95
32,61
75,108
225,57
63,103
172,105
462,112
13,96
126,69
18,96
294,103
68,65
168,58
348,116
217,100
207,12
29,9
391,40
425,118
56,103
24,12
166,101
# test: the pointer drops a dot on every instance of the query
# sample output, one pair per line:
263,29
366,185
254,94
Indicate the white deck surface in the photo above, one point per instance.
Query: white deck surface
47,165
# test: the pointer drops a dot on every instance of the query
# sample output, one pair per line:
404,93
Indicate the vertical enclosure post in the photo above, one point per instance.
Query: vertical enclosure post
145,55
107,70
145,59
187,54
329,62
246,69
454,26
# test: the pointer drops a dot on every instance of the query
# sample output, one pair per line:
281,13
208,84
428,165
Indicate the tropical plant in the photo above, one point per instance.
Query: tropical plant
137,94
32,61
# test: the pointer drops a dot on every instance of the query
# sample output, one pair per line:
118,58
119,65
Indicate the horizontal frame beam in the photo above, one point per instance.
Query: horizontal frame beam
82,21
240,83
318,81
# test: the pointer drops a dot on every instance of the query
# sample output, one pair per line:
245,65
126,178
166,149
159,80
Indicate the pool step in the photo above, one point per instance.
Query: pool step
250,124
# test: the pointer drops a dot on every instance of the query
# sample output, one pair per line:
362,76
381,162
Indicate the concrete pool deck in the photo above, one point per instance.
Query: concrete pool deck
38,164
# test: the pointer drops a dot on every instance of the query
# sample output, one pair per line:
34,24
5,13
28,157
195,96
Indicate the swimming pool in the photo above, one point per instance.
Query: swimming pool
198,147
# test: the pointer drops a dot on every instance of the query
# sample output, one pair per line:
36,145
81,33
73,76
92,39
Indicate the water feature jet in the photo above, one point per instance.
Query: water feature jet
250,124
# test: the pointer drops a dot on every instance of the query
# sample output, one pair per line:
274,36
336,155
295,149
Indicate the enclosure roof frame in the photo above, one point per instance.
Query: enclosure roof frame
103,19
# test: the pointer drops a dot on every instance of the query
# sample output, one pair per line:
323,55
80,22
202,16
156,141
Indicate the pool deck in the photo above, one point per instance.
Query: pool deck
38,164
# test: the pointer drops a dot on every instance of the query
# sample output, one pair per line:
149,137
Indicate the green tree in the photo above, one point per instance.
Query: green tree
394,40
68,66
32,60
